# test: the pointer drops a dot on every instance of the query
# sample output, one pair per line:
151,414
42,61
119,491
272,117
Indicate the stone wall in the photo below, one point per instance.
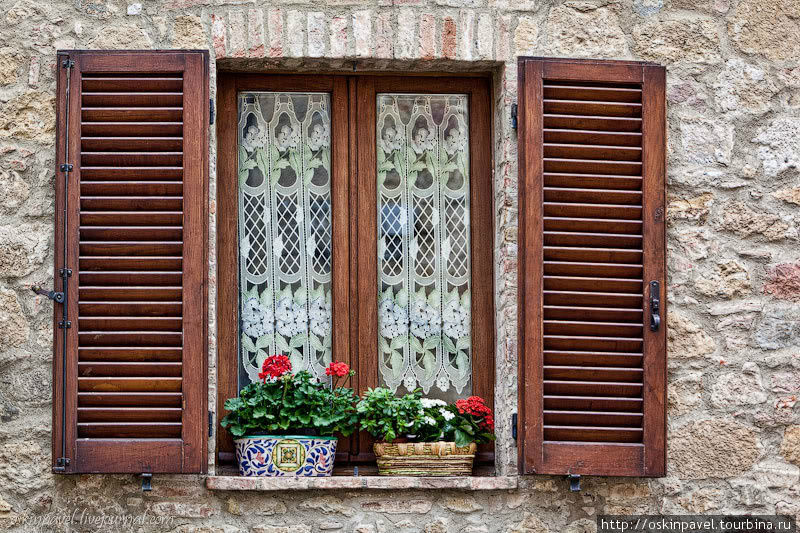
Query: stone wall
734,288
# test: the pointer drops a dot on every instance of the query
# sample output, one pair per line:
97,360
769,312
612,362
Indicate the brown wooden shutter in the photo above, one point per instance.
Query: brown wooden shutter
134,127
592,239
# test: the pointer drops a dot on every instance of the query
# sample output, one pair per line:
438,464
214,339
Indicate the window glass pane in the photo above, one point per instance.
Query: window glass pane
284,230
423,244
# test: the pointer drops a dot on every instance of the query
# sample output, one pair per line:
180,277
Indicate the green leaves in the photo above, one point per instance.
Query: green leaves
386,416
293,403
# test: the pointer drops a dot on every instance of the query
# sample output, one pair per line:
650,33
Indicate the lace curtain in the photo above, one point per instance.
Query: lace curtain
423,242
284,230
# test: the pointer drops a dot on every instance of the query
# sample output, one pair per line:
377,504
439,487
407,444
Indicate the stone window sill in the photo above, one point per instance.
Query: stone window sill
266,484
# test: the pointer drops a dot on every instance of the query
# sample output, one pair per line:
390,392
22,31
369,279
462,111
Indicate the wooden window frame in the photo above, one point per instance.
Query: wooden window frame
354,227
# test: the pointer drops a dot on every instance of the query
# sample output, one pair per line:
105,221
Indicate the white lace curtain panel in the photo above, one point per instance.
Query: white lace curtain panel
423,242
285,229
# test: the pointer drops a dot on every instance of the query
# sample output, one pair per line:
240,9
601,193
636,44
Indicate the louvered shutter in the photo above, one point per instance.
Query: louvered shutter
592,239
134,126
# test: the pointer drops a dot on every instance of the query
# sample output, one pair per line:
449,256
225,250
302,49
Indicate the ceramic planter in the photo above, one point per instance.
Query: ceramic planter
286,455
424,458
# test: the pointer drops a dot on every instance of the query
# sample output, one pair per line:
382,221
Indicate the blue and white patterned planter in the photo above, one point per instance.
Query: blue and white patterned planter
286,456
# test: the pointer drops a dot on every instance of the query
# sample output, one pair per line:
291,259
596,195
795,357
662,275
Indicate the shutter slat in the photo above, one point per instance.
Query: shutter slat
131,173
125,144
139,129
129,384
592,181
597,314
129,430
584,210
610,124
611,270
588,92
592,434
129,414
595,373
591,225
132,159
592,418
592,403
140,83
132,399
132,203
128,338
119,294
590,137
132,114
605,359
109,263
130,248
132,218
591,196
118,323
115,368
154,309
131,233
589,108
127,353
135,188
132,99
592,240
612,285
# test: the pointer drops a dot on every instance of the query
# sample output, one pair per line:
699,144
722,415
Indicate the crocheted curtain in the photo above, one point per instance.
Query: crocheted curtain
284,230
423,242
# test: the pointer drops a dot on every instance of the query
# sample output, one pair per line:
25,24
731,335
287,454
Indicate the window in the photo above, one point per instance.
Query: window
347,210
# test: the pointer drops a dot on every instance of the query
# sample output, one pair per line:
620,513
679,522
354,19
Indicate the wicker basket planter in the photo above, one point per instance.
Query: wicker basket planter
424,459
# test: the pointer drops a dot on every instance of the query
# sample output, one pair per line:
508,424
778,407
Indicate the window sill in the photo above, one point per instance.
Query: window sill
266,484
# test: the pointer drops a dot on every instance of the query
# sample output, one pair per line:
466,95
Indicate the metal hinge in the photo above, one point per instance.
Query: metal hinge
147,478
61,464
574,482
67,63
211,110
66,167
56,296
64,324
514,426
514,116
210,424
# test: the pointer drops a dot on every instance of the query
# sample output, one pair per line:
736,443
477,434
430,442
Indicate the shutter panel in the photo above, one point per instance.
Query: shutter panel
135,129
592,239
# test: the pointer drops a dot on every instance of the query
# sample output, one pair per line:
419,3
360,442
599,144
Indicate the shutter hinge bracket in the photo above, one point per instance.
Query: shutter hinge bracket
210,424
514,426
210,110
574,482
147,477
64,324
66,167
61,464
514,111
67,63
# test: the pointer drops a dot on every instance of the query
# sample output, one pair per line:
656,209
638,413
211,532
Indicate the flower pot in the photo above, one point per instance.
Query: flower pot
286,455
424,458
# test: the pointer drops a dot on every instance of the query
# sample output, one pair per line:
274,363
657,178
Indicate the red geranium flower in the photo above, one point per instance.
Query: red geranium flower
274,367
337,369
476,406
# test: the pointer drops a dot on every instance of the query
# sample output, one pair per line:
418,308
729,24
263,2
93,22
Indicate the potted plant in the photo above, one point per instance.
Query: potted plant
424,437
284,425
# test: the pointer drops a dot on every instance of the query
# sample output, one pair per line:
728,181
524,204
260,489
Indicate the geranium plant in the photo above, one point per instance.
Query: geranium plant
388,417
473,421
285,403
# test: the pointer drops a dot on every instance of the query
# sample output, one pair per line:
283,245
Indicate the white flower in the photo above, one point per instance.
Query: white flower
254,138
422,141
456,319
291,318
429,421
427,403
319,315
286,137
447,415
456,141
392,140
319,137
393,320
257,319
424,318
